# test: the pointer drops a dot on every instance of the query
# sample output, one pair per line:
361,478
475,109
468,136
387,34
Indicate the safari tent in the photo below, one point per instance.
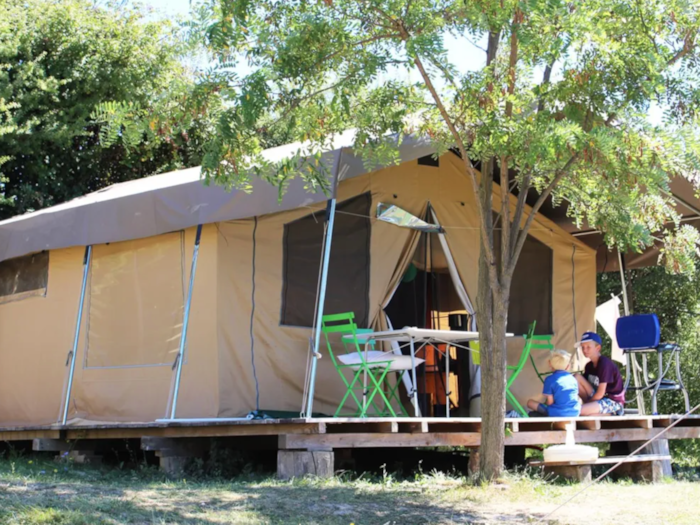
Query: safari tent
254,290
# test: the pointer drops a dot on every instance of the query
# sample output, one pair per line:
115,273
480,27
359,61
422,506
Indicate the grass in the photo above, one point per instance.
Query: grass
39,491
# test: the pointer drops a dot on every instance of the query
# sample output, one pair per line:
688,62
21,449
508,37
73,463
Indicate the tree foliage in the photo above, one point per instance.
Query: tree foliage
58,62
572,107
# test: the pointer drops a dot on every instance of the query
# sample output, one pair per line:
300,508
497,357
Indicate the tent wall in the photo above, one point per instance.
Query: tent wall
218,378
281,352
36,334
141,393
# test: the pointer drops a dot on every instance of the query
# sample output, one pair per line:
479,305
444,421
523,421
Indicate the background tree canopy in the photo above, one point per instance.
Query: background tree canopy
58,61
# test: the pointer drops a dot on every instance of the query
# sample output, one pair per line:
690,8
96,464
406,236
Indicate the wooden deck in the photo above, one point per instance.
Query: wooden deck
331,433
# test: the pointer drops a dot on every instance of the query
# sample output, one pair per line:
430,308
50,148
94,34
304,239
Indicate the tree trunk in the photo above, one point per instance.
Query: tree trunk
491,316
493,392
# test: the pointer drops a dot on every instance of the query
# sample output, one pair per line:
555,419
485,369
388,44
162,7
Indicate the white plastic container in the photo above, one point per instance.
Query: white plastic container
570,452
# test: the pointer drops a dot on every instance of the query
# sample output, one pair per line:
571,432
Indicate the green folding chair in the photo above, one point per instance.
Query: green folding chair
539,342
514,371
391,391
375,371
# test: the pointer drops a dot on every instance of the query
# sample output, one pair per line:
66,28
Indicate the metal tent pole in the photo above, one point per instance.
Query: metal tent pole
330,218
632,357
185,322
321,300
71,355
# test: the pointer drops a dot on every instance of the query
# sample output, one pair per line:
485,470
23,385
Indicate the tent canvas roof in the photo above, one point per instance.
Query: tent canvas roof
687,206
174,201
177,200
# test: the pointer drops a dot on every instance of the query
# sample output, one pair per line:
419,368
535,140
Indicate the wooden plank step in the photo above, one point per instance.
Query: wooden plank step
609,460
62,445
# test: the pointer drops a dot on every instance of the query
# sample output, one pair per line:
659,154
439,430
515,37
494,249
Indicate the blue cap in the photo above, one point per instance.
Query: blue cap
591,336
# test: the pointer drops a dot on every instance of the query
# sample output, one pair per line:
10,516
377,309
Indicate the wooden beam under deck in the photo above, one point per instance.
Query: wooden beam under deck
195,431
29,435
472,439
381,432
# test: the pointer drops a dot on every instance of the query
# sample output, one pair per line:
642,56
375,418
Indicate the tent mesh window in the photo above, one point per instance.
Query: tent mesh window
348,275
531,288
25,276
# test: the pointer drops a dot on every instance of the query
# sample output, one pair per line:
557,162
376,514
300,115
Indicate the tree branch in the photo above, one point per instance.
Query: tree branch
295,103
505,184
533,212
359,43
458,138
519,209
545,80
688,45
645,27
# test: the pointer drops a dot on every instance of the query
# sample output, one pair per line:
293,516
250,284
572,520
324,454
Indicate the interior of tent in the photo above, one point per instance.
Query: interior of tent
254,299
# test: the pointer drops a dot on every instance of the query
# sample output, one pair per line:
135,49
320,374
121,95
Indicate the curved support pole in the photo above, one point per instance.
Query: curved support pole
71,355
185,322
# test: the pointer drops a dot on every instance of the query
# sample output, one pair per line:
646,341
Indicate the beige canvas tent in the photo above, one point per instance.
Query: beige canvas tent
254,289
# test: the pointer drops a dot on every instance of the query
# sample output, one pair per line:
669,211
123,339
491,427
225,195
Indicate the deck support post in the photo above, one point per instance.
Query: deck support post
474,461
652,471
300,463
578,473
175,454
293,461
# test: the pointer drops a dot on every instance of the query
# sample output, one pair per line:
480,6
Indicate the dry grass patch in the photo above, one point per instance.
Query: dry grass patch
40,492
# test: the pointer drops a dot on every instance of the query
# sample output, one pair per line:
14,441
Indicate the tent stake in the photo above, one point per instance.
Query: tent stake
185,323
330,216
78,323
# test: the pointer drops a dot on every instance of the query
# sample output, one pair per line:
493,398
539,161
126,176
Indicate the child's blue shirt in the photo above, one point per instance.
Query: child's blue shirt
564,387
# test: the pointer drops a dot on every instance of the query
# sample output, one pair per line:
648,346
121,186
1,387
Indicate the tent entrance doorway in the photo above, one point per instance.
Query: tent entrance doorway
427,297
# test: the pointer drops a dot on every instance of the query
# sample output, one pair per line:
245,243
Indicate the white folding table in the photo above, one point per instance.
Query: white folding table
412,336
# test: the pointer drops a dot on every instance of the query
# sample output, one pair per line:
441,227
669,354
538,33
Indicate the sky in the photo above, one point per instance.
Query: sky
169,7
472,58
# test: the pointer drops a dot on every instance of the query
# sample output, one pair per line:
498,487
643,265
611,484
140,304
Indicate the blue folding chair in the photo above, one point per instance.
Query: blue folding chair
641,334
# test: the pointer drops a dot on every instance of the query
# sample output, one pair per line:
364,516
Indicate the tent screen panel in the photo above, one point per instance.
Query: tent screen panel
531,288
348,276
136,301
25,276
